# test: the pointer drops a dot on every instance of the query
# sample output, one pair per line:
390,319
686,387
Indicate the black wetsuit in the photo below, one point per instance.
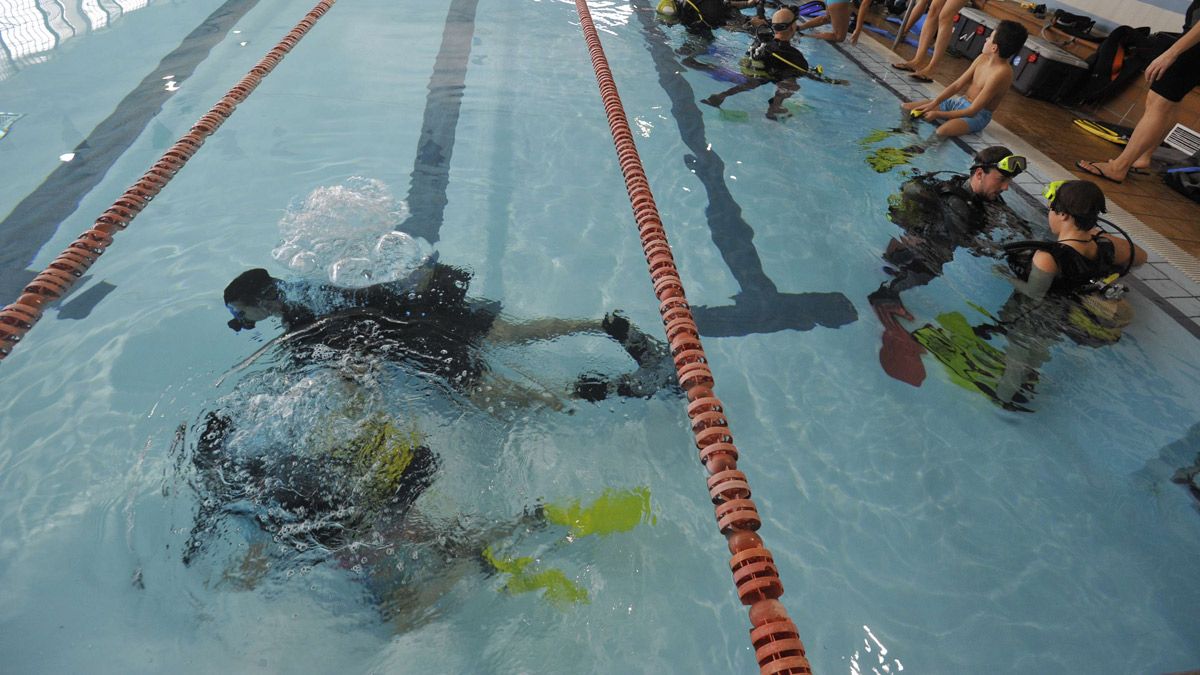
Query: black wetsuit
317,502
939,215
1076,272
781,60
704,16
432,324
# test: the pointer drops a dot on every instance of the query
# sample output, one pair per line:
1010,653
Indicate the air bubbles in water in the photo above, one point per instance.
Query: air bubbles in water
347,234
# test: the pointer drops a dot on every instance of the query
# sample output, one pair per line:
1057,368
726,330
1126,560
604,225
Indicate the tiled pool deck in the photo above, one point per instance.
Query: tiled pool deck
1171,277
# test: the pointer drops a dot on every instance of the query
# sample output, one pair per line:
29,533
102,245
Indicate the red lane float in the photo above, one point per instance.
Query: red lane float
775,638
60,276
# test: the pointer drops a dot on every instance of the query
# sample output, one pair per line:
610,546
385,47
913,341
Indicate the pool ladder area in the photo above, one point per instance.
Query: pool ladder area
777,645
54,282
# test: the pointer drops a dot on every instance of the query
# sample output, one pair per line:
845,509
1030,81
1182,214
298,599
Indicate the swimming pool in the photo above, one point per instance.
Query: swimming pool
959,536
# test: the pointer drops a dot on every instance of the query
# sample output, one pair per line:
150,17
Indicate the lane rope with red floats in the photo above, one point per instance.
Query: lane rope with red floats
54,282
776,639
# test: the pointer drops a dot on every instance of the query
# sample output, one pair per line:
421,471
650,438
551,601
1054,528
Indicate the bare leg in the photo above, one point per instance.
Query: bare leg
494,393
813,22
838,16
504,332
945,31
1149,133
783,91
928,32
911,18
952,128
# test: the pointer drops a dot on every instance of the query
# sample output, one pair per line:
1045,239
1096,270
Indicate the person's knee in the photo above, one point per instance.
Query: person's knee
1158,103
953,128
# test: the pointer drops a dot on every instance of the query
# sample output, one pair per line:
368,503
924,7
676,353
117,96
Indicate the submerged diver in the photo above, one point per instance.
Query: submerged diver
702,17
428,319
940,214
771,58
320,460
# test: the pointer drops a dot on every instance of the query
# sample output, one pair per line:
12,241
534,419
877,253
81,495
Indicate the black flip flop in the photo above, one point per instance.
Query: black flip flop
920,78
901,66
1091,169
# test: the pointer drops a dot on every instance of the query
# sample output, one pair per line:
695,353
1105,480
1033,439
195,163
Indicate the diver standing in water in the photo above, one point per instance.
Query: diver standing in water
1063,287
772,58
940,214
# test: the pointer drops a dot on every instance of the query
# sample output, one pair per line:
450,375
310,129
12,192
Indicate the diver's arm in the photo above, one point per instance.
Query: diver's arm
1041,276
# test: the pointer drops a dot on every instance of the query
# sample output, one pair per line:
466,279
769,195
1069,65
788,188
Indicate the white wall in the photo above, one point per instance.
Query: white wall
1164,15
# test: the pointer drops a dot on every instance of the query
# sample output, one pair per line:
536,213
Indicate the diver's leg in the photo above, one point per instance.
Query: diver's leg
783,91
696,64
717,99
494,392
505,332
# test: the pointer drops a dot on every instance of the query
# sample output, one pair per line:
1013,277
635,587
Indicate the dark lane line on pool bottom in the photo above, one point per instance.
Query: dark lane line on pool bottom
36,219
431,169
758,307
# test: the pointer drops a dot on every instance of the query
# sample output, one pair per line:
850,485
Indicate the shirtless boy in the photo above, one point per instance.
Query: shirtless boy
967,104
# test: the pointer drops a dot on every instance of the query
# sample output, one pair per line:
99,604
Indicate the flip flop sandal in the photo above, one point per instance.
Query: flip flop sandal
1092,169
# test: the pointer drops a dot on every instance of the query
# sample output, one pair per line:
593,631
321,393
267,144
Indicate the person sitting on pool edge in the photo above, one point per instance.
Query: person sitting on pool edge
967,104
940,214
773,58
428,319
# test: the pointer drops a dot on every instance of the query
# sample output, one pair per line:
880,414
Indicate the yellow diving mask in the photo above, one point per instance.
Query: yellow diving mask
1051,191
1012,166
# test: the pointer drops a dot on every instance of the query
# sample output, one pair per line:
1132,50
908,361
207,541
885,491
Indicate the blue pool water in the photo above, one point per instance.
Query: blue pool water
922,529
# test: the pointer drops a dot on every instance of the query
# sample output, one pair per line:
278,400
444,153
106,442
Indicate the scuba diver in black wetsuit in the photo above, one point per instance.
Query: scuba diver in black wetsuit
326,475
771,58
702,17
940,214
1063,287
428,319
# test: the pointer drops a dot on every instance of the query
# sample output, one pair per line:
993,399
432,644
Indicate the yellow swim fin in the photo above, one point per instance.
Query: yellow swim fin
1097,129
613,511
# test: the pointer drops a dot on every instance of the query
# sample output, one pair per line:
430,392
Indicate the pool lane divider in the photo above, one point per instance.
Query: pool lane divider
776,639
56,281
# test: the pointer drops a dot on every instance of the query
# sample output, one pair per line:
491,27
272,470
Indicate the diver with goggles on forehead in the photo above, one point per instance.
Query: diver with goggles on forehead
939,213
